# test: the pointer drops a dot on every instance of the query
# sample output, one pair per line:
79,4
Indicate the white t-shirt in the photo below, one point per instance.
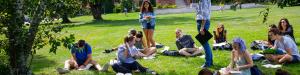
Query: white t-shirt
287,42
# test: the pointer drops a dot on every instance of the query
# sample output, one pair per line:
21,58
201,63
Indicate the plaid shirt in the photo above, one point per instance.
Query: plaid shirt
203,9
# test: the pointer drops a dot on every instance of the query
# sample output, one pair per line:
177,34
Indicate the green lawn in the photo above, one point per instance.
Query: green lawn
245,23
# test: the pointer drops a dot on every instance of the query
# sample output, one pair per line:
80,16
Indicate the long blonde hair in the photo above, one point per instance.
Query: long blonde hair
218,31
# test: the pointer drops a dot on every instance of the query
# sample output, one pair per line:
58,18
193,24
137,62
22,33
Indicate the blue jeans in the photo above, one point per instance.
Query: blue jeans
206,46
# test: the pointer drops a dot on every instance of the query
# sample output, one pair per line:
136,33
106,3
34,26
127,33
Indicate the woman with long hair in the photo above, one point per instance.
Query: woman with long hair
286,28
147,19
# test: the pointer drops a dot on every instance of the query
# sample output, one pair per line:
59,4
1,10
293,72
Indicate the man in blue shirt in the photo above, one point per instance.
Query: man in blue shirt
81,59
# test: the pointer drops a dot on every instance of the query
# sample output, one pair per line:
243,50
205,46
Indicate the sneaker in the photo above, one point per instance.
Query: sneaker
105,68
151,72
62,70
205,66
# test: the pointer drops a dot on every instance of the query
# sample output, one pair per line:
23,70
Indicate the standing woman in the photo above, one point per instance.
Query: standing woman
285,28
147,19
203,23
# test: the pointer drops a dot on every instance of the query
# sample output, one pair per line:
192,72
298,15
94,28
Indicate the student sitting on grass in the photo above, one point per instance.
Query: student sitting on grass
283,43
220,34
186,44
220,38
240,58
81,59
271,42
140,44
125,56
286,28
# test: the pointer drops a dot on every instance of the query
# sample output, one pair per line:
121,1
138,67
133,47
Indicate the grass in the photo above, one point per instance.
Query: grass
245,23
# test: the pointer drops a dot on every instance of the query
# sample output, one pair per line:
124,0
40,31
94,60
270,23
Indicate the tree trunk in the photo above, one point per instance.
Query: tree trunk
20,39
65,18
96,10
16,49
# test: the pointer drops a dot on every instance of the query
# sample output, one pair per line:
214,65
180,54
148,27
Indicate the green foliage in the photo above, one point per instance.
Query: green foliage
265,14
127,4
165,6
118,8
108,6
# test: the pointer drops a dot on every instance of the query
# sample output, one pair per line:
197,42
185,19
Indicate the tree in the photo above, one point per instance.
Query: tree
64,9
21,41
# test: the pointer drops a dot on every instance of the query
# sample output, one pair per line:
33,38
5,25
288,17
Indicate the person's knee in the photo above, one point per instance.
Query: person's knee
93,62
182,51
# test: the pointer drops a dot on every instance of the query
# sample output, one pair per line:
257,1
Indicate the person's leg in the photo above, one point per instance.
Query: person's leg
207,49
150,51
94,63
69,64
147,39
208,55
285,58
120,69
184,51
151,32
196,51
138,67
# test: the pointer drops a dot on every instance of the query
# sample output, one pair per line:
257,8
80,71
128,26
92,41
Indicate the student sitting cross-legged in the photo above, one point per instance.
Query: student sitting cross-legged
186,44
126,63
81,59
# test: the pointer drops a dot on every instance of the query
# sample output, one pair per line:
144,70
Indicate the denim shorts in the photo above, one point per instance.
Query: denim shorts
295,58
148,26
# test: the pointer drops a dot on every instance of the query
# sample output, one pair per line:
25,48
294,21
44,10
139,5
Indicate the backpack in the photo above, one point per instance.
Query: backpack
258,45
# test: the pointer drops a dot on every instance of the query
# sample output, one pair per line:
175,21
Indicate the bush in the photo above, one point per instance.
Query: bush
165,6
4,66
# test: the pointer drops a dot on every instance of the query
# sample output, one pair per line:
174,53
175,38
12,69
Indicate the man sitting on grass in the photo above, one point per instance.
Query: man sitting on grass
283,43
81,59
185,44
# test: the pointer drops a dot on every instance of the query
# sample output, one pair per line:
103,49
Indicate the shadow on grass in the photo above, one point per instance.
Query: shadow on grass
40,62
165,21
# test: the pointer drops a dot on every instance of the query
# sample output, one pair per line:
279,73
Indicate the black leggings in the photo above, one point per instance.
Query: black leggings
128,67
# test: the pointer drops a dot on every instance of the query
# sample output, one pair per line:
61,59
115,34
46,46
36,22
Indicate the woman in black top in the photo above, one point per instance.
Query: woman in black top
220,34
286,28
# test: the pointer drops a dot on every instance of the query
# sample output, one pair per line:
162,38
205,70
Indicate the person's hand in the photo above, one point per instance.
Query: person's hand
237,68
148,17
202,32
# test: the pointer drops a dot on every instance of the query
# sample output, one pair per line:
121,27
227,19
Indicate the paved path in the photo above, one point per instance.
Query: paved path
182,9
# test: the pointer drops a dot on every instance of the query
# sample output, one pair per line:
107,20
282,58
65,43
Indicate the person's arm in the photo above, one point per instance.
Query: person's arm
89,52
231,64
248,60
140,54
153,16
87,61
289,51
141,19
126,51
288,31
